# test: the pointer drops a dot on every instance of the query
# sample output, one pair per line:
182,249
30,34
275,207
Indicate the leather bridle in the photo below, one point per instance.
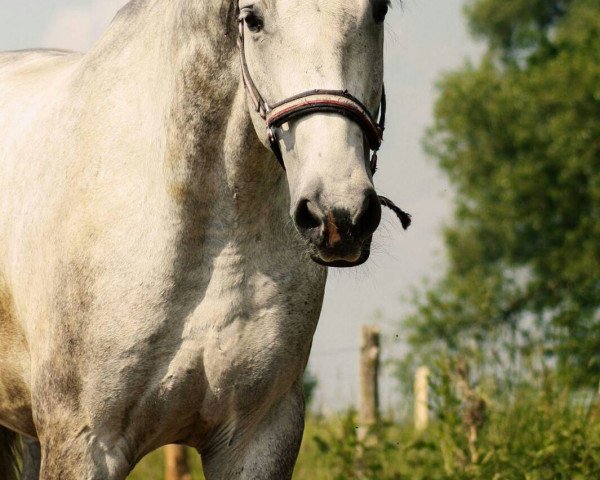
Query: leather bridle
339,102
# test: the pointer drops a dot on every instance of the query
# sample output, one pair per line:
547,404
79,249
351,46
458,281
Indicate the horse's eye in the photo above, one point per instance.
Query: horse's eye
380,10
254,23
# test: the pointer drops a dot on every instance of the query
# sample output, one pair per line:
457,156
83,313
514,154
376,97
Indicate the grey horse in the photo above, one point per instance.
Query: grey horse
161,276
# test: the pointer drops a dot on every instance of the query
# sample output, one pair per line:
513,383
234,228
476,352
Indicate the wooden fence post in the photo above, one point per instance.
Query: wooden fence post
176,463
369,380
421,399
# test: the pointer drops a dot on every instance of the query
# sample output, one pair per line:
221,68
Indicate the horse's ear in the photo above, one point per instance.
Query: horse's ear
231,9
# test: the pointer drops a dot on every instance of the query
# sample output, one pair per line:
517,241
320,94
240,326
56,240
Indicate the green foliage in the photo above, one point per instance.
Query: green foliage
514,25
355,456
539,431
531,434
518,138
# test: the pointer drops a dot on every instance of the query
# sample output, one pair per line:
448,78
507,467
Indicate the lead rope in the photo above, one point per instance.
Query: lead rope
404,217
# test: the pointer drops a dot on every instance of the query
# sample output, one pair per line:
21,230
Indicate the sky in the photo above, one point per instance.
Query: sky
424,39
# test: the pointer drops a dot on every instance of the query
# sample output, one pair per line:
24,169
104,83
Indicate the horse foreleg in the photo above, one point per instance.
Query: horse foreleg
32,457
269,453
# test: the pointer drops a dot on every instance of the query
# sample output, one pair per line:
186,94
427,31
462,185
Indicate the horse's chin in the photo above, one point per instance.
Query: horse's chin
341,263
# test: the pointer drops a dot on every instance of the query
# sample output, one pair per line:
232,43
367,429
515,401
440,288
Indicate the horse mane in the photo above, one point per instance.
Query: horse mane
131,8
134,9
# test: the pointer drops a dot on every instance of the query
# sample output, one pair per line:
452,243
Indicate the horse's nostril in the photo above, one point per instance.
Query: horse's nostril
369,216
304,217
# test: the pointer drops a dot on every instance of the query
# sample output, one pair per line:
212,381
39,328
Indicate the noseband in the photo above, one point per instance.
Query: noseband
339,102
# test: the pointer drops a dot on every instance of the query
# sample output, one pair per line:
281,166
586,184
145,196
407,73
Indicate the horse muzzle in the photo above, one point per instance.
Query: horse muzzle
339,237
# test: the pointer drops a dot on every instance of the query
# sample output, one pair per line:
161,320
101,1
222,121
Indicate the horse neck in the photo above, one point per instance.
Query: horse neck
212,155
212,133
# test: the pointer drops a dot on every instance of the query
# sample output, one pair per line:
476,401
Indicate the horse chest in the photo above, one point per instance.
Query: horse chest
255,332
246,340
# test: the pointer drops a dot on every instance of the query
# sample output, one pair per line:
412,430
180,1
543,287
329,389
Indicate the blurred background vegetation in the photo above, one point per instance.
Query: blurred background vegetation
511,331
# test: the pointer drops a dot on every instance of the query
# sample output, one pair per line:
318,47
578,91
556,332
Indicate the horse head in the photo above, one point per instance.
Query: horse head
313,70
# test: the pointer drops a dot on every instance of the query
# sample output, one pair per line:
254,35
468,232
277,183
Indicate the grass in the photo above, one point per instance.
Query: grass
532,437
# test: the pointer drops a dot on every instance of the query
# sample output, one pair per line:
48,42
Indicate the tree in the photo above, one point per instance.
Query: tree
519,138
